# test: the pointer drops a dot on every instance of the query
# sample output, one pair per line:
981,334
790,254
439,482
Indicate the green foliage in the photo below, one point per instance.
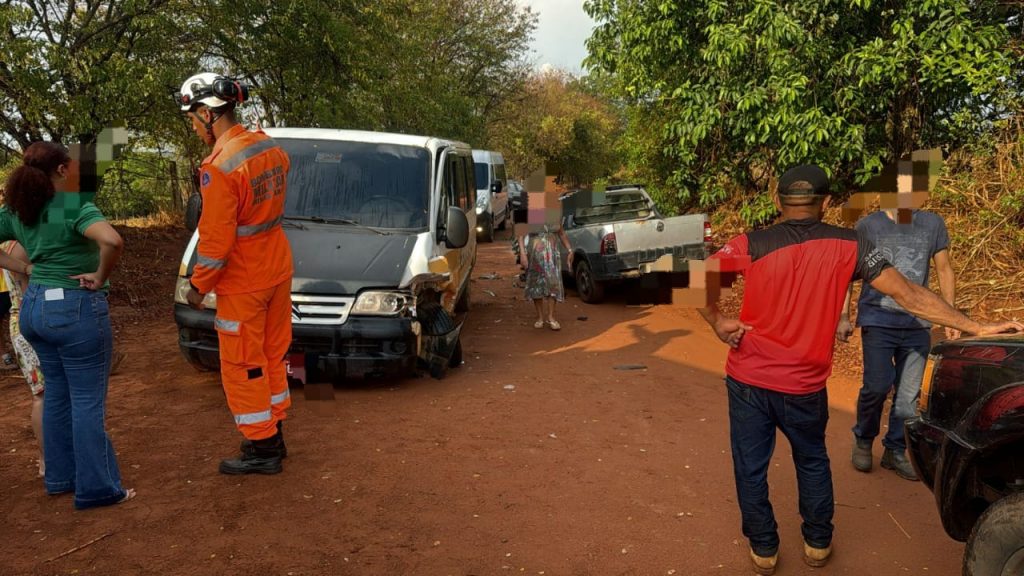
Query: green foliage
414,66
69,68
138,184
558,122
724,95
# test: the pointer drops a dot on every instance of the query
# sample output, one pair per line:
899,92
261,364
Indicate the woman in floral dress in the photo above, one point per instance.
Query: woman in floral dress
23,352
544,270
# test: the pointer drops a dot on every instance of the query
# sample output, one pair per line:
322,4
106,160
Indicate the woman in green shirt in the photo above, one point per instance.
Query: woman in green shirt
65,317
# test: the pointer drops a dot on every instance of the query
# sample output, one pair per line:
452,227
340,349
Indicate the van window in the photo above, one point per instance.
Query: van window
499,174
470,192
483,180
380,185
458,171
616,208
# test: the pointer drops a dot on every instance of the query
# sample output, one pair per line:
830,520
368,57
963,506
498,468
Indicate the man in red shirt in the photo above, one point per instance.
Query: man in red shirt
781,352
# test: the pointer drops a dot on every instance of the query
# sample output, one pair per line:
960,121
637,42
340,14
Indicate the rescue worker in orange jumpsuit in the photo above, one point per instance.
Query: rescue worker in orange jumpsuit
244,256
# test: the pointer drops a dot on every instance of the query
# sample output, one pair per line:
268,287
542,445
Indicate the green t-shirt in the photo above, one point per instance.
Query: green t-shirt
56,245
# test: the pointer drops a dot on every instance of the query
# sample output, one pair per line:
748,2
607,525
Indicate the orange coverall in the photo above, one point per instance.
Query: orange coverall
244,256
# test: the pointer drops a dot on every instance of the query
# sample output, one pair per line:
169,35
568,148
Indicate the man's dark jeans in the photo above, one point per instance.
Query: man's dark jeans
894,360
754,414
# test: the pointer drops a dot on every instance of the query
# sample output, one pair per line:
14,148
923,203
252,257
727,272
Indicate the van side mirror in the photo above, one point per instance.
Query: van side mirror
193,210
457,230
496,187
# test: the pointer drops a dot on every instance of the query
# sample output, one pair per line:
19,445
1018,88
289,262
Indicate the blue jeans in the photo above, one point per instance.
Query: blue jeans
754,415
894,360
70,332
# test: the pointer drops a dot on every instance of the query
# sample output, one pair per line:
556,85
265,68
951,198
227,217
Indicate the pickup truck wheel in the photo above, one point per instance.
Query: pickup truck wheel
591,291
996,545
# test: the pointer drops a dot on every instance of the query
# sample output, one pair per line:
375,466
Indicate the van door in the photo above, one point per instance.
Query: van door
499,201
455,189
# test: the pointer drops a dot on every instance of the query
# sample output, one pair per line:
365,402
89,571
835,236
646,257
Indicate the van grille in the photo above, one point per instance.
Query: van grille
331,310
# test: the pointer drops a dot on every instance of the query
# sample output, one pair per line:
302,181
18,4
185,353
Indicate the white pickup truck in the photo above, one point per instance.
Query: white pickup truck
624,235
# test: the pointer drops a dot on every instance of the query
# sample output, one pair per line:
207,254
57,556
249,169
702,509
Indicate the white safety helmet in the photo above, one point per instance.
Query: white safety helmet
212,90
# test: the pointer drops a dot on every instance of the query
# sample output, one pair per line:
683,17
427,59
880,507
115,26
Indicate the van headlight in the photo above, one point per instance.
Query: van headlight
381,303
181,290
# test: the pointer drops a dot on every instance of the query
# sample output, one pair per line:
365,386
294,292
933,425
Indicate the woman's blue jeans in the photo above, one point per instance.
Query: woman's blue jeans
70,332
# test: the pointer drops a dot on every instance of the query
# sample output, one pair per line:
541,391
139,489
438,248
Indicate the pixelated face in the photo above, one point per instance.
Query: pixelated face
902,186
545,211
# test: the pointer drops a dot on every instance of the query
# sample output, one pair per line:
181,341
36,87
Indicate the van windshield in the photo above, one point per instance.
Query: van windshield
378,185
482,181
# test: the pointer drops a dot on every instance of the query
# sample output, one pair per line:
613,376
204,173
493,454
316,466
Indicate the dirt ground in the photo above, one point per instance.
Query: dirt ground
538,456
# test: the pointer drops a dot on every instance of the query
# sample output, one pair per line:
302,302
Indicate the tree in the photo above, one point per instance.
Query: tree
558,121
69,69
414,66
729,93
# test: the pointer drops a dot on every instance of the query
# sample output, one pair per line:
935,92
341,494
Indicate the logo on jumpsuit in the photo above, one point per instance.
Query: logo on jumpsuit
206,178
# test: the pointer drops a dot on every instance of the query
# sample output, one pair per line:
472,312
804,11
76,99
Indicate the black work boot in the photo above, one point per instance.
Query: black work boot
898,463
861,454
280,432
260,457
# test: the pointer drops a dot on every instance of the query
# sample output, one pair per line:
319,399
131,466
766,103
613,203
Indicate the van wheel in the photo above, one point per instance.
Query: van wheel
436,320
488,232
462,306
591,291
456,359
996,544
504,219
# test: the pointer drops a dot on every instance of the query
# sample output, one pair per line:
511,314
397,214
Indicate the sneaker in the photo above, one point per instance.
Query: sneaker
764,565
861,454
898,463
817,557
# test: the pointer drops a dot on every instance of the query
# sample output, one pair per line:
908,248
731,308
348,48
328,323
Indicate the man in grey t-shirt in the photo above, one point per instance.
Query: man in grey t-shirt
896,344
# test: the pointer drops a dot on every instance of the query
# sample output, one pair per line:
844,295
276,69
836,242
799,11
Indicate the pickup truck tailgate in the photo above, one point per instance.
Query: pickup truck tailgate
659,233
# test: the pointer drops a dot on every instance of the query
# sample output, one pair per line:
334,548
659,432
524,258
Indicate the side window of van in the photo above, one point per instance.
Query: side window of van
499,175
457,197
446,187
470,192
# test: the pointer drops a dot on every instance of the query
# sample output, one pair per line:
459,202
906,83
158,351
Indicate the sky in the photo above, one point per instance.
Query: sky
562,30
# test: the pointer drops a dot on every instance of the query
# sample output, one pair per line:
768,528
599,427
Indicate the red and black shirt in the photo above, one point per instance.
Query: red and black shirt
793,296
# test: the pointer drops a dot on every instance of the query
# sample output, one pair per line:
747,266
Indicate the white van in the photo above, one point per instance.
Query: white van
492,209
380,227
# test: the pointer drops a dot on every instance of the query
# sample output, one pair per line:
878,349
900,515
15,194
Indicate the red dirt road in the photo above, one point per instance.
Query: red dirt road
581,469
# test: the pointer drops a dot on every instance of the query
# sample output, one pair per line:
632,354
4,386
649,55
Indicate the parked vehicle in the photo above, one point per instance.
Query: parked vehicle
380,229
623,236
517,195
492,207
966,444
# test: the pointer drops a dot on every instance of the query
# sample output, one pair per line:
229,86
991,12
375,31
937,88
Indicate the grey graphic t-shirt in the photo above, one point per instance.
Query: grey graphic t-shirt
910,248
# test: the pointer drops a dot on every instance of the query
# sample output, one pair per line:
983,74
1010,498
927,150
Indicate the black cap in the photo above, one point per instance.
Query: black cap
804,180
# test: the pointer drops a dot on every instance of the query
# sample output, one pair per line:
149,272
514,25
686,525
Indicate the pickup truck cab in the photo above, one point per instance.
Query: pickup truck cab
380,230
622,236
967,446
